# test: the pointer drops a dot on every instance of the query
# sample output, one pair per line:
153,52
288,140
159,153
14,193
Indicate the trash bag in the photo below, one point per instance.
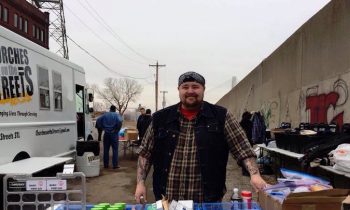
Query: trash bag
341,157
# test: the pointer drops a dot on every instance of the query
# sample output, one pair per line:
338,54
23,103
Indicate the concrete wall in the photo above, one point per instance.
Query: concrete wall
306,79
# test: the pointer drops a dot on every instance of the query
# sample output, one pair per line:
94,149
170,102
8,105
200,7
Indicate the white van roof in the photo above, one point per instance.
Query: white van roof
13,37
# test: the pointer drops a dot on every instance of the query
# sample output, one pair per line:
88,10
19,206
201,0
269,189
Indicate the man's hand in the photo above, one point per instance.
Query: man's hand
257,182
140,191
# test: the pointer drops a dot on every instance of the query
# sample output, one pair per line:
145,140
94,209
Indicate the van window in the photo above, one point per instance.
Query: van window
44,88
57,90
79,99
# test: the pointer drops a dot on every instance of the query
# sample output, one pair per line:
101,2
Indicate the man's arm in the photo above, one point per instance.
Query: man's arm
143,167
242,151
144,163
251,166
256,180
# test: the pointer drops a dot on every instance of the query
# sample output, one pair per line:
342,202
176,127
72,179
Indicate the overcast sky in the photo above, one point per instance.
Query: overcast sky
216,38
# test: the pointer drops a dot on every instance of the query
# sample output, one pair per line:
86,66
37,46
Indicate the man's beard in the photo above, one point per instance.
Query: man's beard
194,104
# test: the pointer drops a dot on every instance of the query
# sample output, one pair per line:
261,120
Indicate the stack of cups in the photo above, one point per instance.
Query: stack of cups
246,199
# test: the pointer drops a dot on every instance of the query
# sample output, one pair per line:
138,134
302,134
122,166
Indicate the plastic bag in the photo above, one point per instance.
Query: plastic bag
341,157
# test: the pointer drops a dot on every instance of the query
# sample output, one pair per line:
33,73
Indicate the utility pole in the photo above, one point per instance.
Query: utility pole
163,103
156,82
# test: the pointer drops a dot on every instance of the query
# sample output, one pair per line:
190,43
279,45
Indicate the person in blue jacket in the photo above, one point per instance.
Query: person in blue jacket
111,123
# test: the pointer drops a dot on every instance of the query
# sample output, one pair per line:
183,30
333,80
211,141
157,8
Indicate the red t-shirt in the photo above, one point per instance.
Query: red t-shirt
188,114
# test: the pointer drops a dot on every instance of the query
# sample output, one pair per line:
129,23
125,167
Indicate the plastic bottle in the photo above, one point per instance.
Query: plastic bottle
246,199
235,199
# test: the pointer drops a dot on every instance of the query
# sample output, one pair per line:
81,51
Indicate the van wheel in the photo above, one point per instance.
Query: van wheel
21,156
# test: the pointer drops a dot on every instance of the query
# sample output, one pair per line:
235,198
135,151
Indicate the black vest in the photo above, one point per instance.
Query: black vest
212,148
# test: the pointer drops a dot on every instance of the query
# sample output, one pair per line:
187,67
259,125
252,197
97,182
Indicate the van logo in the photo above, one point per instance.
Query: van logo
16,84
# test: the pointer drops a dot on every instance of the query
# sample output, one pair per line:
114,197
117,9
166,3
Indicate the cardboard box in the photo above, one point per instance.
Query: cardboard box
131,134
321,200
346,204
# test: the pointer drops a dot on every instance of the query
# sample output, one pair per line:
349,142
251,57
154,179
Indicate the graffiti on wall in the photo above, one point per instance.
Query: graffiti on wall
319,104
269,112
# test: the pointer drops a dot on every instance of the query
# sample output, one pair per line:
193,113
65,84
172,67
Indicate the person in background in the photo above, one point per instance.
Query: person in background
111,123
142,114
138,124
188,145
143,124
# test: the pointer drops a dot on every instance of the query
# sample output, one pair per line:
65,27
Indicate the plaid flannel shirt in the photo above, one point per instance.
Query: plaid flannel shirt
184,177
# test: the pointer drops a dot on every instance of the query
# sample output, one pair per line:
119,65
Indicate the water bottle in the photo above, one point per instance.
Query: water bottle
235,199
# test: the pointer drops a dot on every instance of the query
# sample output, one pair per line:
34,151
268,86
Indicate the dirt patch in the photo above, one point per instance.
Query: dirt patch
118,185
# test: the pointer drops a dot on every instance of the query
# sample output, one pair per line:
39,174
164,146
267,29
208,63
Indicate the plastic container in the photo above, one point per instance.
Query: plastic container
89,164
246,199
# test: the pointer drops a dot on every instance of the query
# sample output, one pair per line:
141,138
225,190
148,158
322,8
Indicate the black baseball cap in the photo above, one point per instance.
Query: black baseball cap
191,76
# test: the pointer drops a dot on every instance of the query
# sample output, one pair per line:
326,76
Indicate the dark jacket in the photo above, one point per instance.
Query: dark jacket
247,126
143,123
211,145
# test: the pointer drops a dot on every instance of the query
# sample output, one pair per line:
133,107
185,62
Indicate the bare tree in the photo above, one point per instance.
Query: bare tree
99,106
119,92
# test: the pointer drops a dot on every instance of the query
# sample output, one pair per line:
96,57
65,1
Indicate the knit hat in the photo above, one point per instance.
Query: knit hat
191,76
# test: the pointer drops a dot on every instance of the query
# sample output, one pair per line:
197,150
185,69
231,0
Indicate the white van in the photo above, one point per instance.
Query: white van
43,106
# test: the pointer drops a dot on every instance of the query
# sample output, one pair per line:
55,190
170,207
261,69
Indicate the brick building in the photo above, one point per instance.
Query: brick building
26,20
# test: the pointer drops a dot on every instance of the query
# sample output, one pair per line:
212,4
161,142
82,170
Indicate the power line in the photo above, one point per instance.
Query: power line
91,30
110,29
104,65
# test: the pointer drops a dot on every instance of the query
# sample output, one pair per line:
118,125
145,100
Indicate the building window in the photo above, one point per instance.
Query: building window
57,90
37,33
33,30
26,26
20,24
42,35
5,15
44,88
15,20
